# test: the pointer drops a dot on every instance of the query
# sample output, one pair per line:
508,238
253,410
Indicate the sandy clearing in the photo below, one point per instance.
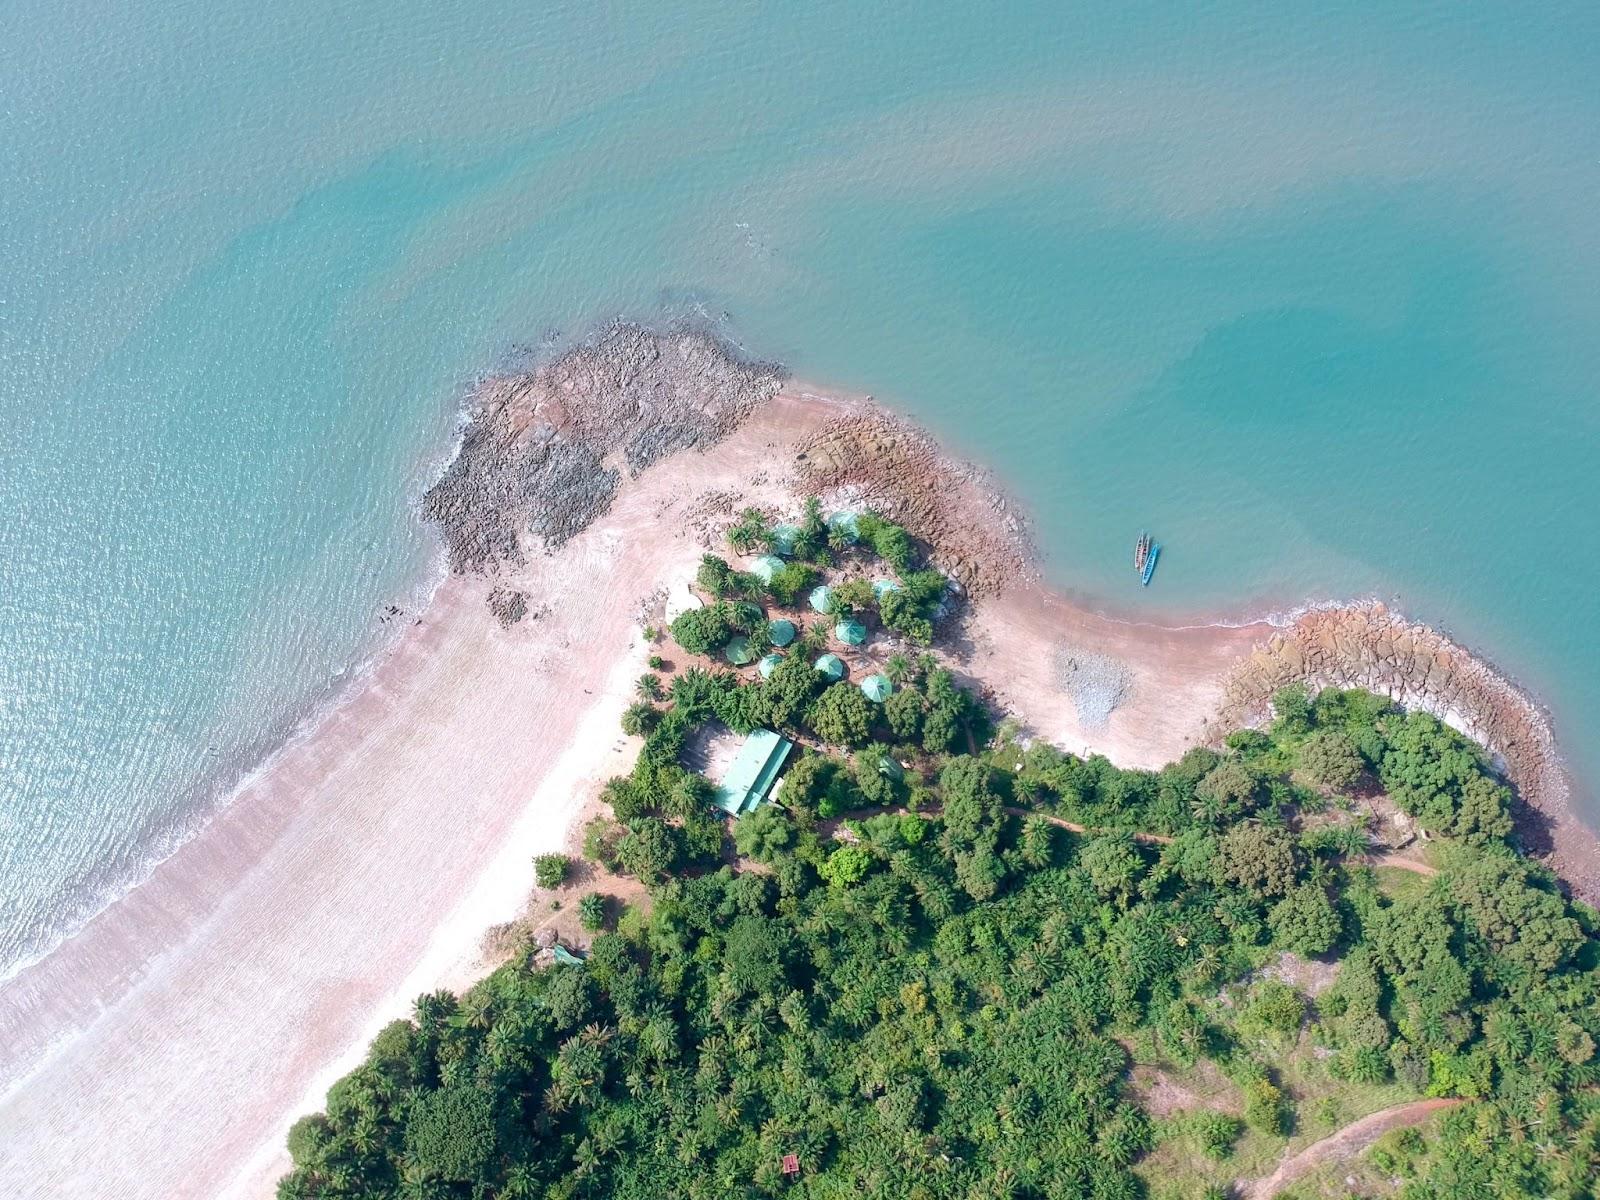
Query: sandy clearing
1344,1143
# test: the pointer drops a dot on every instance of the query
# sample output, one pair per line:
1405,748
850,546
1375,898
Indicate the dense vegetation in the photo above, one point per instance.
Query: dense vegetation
912,978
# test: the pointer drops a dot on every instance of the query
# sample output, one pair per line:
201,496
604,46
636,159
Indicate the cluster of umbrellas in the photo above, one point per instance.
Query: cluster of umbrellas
848,630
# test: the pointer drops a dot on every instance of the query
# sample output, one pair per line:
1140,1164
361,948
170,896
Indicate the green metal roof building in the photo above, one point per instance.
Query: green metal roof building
822,598
765,567
738,651
851,633
877,688
769,664
830,665
882,587
782,631
750,779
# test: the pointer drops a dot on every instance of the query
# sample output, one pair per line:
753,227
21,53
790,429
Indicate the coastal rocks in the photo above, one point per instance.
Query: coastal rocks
1369,647
1095,683
508,606
543,452
881,462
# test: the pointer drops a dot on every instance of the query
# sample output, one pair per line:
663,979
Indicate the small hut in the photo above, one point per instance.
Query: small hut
830,665
850,632
784,539
769,664
782,632
765,567
822,598
738,651
845,524
876,688
882,587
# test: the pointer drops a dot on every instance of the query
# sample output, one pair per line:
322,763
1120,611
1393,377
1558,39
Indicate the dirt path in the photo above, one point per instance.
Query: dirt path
1397,860
1344,1143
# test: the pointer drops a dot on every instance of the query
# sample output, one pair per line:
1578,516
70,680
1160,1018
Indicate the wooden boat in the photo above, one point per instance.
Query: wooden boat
1150,564
1141,553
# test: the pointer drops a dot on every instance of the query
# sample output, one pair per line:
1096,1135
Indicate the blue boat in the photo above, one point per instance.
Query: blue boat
1149,568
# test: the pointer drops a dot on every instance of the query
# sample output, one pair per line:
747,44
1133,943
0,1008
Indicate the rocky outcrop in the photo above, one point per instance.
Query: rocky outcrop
1370,647
883,463
544,451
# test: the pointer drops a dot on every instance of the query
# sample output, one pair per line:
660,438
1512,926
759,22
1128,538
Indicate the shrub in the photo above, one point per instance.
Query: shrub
841,716
703,630
1330,759
1265,1108
1304,921
551,870
1275,1007
592,911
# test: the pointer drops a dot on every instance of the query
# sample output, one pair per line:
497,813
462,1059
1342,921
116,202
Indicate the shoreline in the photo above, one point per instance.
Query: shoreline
373,853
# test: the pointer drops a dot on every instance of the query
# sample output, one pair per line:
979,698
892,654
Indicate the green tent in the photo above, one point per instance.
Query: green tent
822,598
781,631
769,664
765,567
830,665
882,587
845,524
876,688
851,633
784,538
738,651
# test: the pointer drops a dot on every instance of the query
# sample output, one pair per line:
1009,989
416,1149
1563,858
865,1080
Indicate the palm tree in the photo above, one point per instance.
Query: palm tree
898,669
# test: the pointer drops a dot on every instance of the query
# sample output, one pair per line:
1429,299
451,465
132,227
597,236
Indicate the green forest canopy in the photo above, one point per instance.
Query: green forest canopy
948,1004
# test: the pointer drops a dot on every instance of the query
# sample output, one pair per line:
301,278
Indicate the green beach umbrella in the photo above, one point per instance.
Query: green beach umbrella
851,633
737,651
784,538
876,688
781,631
882,587
845,525
769,664
830,665
822,598
765,567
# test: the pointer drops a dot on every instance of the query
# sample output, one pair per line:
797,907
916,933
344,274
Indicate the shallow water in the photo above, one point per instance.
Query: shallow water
1307,294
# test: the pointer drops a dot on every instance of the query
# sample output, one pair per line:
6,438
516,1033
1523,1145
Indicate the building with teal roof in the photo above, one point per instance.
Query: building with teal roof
768,664
882,587
738,651
782,632
765,567
876,688
822,598
749,781
850,632
784,539
830,665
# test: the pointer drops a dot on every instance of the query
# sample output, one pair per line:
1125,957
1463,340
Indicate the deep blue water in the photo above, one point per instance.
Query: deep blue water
1307,290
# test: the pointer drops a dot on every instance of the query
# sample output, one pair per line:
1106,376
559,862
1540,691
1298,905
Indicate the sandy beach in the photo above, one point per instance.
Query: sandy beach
164,1050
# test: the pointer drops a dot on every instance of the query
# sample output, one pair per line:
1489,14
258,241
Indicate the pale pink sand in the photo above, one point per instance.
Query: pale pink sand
164,1051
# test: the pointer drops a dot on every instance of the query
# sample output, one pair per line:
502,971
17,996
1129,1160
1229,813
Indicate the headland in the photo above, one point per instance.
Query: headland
165,1049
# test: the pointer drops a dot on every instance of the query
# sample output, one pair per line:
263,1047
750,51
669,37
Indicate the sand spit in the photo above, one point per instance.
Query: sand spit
164,1050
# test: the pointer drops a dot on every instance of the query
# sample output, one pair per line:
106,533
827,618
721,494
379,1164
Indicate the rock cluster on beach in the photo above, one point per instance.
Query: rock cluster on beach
543,451
1097,684
900,471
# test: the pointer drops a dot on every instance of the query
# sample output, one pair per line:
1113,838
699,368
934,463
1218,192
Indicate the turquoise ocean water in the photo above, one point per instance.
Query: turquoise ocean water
1307,290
